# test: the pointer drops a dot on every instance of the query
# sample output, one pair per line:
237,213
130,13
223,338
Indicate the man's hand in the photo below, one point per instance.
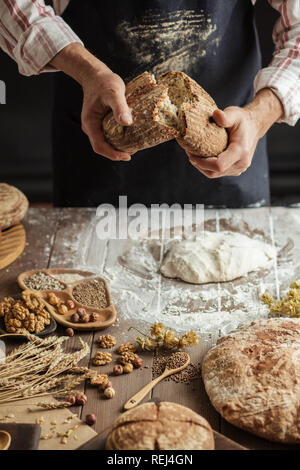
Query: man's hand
103,91
245,127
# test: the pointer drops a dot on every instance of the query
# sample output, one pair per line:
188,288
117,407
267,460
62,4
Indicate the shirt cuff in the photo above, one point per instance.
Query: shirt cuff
41,42
286,88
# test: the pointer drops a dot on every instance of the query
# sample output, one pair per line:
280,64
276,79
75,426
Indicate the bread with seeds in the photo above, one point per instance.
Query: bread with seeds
252,377
174,106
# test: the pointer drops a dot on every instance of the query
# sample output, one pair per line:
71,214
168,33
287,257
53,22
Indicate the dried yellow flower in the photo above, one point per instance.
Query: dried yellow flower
288,306
167,338
157,330
147,343
170,340
188,339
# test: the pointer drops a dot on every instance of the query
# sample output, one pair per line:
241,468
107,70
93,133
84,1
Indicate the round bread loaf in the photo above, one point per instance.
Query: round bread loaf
13,206
174,106
160,426
252,377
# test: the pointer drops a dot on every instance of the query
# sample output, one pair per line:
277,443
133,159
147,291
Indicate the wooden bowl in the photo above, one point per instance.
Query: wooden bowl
107,315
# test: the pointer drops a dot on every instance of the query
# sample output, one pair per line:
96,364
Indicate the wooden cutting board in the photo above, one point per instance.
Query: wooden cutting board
12,244
221,443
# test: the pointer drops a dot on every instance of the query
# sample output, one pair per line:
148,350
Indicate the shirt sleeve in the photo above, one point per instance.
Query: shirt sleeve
32,34
283,73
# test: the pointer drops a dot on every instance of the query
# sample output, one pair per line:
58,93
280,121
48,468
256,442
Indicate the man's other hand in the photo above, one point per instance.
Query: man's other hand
245,127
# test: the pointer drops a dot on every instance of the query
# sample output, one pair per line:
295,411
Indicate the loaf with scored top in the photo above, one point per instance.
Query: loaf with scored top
162,426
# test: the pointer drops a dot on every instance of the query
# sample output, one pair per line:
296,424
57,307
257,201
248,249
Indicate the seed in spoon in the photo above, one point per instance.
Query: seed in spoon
177,359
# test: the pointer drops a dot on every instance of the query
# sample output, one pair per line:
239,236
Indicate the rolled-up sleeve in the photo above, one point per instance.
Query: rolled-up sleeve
283,73
32,34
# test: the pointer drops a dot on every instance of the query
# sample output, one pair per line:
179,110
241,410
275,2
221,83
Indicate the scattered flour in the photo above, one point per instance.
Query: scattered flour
142,296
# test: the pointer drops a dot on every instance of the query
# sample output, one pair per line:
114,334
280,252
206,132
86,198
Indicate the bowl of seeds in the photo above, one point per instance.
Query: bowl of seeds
76,299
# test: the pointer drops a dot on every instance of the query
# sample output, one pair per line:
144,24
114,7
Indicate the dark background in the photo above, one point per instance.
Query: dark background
25,130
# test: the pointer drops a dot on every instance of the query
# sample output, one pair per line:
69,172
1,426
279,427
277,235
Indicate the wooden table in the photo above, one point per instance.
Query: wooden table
53,238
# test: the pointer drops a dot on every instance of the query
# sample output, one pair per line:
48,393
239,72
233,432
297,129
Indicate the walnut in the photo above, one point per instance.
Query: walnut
6,305
127,357
27,314
106,341
99,379
102,358
127,347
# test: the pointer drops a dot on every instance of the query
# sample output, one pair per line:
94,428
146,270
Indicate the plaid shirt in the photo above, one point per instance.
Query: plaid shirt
33,33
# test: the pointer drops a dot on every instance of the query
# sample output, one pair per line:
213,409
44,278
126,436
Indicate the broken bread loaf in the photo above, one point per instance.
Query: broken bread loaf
198,133
154,117
174,106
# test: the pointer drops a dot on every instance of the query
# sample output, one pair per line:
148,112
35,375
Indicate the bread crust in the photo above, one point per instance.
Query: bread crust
144,97
13,206
202,136
160,427
198,134
252,377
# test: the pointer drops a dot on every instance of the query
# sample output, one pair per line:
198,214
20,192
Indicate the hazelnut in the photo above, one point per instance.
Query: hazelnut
70,332
84,318
63,309
137,362
118,370
109,392
128,368
90,419
71,399
81,311
105,385
75,318
94,317
81,399
53,300
70,304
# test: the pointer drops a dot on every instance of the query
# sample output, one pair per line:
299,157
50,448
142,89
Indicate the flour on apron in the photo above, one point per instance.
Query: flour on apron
172,41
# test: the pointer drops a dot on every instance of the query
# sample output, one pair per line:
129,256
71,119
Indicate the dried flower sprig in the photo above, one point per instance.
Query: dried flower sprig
288,306
160,336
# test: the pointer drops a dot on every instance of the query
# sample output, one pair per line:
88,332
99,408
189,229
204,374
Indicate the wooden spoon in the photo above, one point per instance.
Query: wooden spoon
137,398
5,440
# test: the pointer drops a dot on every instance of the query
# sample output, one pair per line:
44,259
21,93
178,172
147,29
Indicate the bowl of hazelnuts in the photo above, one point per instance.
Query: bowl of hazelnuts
85,304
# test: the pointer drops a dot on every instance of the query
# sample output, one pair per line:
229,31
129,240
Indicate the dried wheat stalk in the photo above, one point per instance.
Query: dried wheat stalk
41,368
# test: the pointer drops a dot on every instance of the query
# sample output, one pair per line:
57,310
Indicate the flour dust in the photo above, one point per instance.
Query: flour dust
171,41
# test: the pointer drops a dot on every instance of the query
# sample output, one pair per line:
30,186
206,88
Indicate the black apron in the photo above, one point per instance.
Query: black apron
213,41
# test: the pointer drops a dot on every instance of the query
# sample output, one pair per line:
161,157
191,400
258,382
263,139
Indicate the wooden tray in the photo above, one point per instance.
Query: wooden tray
12,244
107,315
221,443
